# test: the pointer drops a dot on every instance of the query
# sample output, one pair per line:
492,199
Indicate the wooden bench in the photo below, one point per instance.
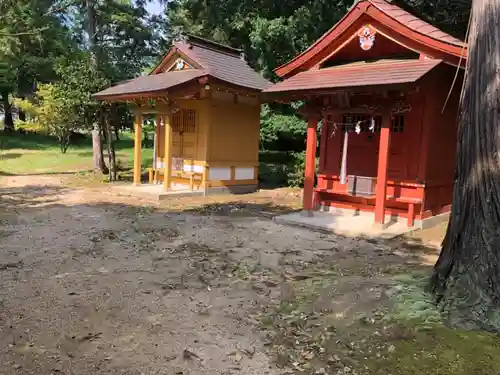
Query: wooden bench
154,176
411,202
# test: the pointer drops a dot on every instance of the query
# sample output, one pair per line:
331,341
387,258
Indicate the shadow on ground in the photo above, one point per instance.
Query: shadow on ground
11,155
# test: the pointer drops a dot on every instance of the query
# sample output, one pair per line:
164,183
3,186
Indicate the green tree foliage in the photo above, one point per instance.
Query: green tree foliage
257,27
50,113
66,105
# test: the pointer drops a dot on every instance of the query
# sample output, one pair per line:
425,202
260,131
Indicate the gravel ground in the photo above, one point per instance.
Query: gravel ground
92,283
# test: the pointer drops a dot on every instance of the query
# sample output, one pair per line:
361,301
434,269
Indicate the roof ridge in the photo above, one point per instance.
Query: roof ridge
210,44
376,3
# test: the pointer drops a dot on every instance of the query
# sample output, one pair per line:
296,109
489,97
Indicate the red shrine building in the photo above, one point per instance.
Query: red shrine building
383,86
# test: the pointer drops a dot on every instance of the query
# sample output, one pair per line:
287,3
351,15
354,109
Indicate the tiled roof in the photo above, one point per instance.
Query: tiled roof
222,62
382,72
157,82
413,22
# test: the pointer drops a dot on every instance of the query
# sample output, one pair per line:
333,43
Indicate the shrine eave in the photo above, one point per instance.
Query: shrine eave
356,75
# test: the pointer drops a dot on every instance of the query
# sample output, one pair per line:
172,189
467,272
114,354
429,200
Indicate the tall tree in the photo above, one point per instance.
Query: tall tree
120,41
466,276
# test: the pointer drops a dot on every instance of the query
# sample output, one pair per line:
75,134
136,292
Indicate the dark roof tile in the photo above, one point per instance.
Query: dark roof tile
222,63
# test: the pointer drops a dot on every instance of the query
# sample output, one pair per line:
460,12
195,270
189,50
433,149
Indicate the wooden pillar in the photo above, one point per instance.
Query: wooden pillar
137,148
383,164
167,159
156,141
310,165
322,145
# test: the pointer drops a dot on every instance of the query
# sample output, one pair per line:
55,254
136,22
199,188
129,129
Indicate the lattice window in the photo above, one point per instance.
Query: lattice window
184,121
398,124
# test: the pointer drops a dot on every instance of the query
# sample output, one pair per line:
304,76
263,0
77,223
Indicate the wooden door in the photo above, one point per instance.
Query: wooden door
184,134
398,166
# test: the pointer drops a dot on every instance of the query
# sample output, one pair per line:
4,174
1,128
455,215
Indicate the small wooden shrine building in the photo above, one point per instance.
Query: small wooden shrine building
385,86
206,101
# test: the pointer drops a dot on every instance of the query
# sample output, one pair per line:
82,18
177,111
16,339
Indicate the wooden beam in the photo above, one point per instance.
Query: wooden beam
137,148
383,164
167,160
310,167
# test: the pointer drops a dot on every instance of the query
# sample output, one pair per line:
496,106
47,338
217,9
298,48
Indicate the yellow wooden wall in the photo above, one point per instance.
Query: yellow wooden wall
234,134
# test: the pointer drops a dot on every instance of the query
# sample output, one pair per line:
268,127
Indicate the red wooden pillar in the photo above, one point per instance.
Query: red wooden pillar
383,164
310,167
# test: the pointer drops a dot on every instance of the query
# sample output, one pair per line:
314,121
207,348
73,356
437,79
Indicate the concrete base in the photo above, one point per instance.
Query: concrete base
235,189
156,191
347,223
432,221
418,224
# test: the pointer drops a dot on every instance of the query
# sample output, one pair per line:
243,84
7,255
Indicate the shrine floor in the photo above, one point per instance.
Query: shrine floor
348,223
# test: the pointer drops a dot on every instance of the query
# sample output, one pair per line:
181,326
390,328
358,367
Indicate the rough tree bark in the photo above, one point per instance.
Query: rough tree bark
466,279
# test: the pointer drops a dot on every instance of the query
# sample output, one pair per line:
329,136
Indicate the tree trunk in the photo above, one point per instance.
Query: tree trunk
22,114
8,120
116,128
466,279
97,151
111,145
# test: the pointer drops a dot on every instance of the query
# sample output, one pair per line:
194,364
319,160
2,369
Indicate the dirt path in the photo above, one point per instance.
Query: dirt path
91,283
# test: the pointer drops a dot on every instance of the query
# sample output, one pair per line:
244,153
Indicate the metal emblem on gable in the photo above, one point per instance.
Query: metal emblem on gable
179,65
366,37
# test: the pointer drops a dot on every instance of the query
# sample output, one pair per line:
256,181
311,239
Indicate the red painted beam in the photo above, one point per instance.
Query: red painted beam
383,164
310,164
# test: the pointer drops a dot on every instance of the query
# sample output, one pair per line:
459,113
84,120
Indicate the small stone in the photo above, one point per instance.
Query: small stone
237,357
391,349
308,355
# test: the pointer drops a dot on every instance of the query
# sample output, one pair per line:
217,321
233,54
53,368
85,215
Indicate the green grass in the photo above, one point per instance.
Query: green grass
440,350
406,336
424,345
34,154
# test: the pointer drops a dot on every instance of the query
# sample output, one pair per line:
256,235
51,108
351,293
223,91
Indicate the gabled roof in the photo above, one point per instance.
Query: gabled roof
219,61
389,19
207,59
361,73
